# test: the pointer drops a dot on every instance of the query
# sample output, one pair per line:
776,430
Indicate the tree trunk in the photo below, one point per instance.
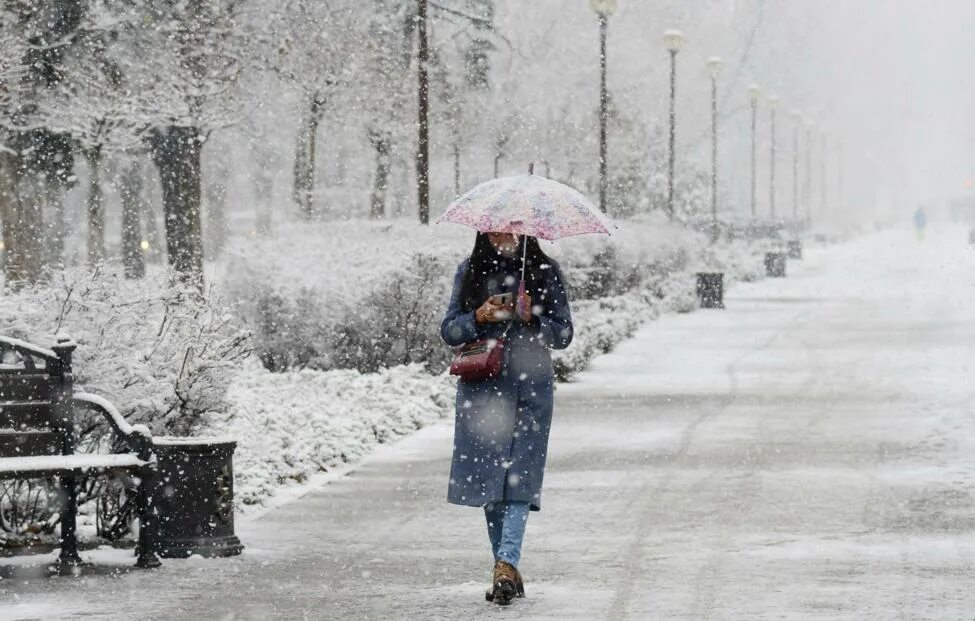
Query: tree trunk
457,167
423,120
8,213
130,188
499,145
22,223
378,207
304,183
176,153
217,229
264,190
95,207
150,220
299,187
52,197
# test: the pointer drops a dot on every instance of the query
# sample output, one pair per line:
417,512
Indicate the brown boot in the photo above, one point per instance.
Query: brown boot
505,583
519,585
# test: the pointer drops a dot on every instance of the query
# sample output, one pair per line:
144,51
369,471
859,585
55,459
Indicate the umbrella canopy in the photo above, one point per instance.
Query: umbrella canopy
527,205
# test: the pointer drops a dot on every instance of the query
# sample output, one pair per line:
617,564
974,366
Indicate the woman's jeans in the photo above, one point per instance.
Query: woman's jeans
506,528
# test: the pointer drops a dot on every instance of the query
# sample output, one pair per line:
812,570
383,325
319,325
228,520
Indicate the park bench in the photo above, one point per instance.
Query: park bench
38,438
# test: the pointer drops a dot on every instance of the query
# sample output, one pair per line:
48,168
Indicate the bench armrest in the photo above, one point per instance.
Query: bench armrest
28,351
137,437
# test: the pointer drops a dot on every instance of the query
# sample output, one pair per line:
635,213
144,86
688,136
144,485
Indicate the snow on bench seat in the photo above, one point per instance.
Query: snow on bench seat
64,463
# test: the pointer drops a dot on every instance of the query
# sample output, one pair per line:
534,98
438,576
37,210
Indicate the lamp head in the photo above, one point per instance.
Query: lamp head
754,93
604,8
674,40
714,65
773,100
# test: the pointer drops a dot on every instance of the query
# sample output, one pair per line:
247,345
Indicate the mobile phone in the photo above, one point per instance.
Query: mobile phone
503,299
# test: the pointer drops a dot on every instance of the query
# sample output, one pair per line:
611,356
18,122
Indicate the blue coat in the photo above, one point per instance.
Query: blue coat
502,424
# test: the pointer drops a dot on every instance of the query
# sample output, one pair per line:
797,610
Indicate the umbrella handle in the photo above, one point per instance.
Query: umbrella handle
521,285
519,310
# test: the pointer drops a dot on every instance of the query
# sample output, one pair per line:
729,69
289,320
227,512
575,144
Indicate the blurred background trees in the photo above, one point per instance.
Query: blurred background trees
144,131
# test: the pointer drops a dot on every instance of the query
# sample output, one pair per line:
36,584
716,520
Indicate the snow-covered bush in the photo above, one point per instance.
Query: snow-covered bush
600,325
397,323
363,300
163,353
292,425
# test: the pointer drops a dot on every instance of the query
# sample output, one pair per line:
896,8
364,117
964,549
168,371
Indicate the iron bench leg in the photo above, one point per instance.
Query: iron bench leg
147,522
68,558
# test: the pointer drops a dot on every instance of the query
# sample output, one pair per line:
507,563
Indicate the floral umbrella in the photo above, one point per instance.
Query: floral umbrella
527,205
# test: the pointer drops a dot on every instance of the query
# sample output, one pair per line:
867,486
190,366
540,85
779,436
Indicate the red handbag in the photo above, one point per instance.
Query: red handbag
479,360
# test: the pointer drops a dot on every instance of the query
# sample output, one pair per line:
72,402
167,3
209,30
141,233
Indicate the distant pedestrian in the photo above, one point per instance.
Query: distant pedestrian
920,222
502,420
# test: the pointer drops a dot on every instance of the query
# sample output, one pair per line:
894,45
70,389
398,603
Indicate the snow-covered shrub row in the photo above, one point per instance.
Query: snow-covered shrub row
599,326
164,354
368,295
292,425
665,281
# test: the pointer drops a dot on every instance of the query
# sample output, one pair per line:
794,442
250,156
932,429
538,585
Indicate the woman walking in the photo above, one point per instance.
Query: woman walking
502,421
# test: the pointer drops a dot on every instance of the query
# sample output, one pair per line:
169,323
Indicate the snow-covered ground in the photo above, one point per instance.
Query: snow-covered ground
804,454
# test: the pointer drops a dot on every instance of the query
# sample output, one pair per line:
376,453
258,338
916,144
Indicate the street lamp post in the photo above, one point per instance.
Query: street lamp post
773,101
603,8
838,193
824,179
797,121
714,68
710,284
674,39
754,93
423,109
807,190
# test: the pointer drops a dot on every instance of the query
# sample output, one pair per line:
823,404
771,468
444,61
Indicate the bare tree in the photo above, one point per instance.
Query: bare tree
313,47
187,56
37,161
130,189
92,104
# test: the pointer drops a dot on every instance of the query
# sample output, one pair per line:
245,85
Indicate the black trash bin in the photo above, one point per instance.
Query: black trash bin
193,496
775,264
710,289
795,249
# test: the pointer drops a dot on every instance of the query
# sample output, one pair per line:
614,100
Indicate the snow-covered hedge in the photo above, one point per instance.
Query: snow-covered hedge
368,295
292,425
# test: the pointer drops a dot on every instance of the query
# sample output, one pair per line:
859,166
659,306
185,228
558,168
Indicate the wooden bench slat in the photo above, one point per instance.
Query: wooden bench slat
33,387
29,443
25,415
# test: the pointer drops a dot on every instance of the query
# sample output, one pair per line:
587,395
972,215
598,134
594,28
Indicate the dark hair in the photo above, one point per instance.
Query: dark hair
483,263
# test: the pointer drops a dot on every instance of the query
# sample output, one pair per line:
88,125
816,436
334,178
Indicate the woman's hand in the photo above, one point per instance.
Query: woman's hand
524,307
489,312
